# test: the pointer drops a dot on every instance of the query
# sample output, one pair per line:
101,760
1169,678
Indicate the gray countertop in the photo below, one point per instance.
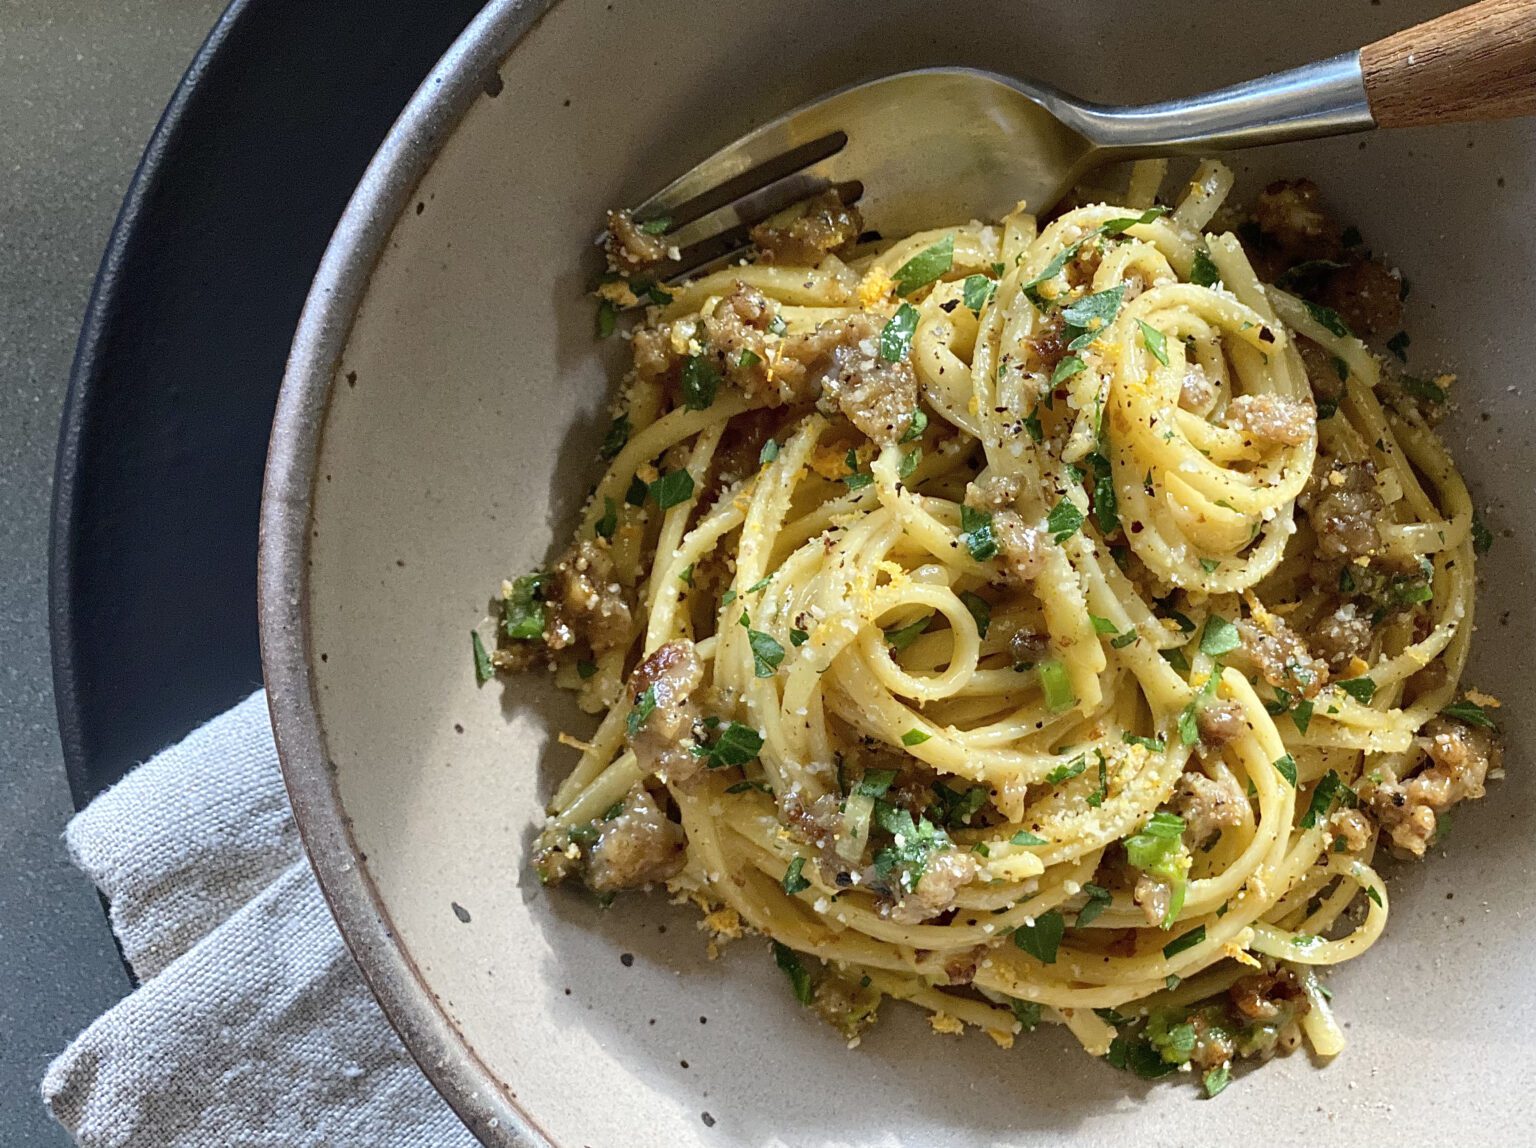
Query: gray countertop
81,85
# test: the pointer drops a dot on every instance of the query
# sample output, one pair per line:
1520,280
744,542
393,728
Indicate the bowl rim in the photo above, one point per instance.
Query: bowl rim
466,71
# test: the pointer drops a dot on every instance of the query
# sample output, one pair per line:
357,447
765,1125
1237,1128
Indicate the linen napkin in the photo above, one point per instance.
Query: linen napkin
252,1026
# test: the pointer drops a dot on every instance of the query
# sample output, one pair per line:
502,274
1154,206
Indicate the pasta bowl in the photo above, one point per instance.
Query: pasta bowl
442,407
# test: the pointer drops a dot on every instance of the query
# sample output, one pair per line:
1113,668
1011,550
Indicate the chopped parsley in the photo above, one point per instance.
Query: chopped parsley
1398,345
1124,223
1056,685
800,980
644,706
927,265
1025,837
766,653
1064,520
978,291
769,452
909,463
956,807
916,425
617,436
736,745
875,782
1155,744
1361,689
903,637
1121,641
637,492
522,611
484,671
1184,941
1216,1079
1087,318
980,611
798,637
700,381
1202,272
1330,790
896,335
1327,318
609,522
793,881
1286,767
1068,770
1027,1013
914,842
1066,369
915,736
1103,625
658,226
1157,849
1482,537
1469,713
1041,940
585,669
1155,341
672,489
748,358
1099,899
1423,389
1219,637
607,318
977,535
856,479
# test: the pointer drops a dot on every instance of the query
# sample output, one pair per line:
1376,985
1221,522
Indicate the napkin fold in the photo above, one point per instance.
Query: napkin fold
252,1027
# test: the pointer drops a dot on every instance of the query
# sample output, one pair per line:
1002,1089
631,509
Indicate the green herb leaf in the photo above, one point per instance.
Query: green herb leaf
769,452
927,265
766,653
1361,689
977,533
799,980
978,291
484,671
1203,273
1032,425
916,425
1102,625
1286,766
1064,520
1068,770
522,612
585,669
1025,837
1219,637
746,786
607,318
1121,641
608,523
617,436
736,745
1330,789
672,489
644,706
1422,389
979,610
1041,940
1482,537
875,782
906,635
1216,1079
798,638
793,881
1099,899
909,463
915,736
1184,941
700,381
1469,713
1027,1013
658,226
1155,341
1089,317
1326,318
896,335
777,326
1155,744
637,492
748,359
1116,226
1071,365
1398,345
1302,715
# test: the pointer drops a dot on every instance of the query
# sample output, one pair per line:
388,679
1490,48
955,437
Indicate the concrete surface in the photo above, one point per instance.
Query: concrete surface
81,85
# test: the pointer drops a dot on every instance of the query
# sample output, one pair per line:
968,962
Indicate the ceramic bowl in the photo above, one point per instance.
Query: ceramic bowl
437,432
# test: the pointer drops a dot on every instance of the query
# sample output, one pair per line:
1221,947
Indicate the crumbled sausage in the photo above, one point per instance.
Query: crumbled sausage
1023,548
639,846
629,246
1367,296
1269,996
1272,418
1351,827
663,742
995,492
876,396
1290,215
1344,506
1220,723
935,893
1340,636
1154,897
653,355
1047,347
1028,649
1322,371
584,601
1207,805
1282,657
1196,392
1460,757
809,230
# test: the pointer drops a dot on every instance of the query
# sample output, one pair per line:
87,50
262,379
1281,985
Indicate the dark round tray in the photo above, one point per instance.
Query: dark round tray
152,579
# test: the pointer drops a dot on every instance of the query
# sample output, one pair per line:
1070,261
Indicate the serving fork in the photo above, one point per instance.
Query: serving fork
949,144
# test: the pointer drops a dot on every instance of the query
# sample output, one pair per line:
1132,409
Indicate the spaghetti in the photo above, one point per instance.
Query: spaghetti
1032,623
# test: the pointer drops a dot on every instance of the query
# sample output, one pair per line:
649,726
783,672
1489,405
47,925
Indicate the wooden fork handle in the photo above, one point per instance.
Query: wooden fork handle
1477,63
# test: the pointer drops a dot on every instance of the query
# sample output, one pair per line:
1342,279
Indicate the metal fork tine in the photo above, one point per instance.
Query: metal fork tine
736,171
726,231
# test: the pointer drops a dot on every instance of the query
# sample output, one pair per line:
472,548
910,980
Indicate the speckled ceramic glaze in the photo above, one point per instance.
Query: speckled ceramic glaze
437,431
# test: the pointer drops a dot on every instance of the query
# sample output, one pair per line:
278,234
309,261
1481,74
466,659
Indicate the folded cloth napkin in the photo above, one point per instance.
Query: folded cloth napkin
252,1025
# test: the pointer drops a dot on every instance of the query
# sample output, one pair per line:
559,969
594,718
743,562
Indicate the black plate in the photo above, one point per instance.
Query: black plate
153,561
